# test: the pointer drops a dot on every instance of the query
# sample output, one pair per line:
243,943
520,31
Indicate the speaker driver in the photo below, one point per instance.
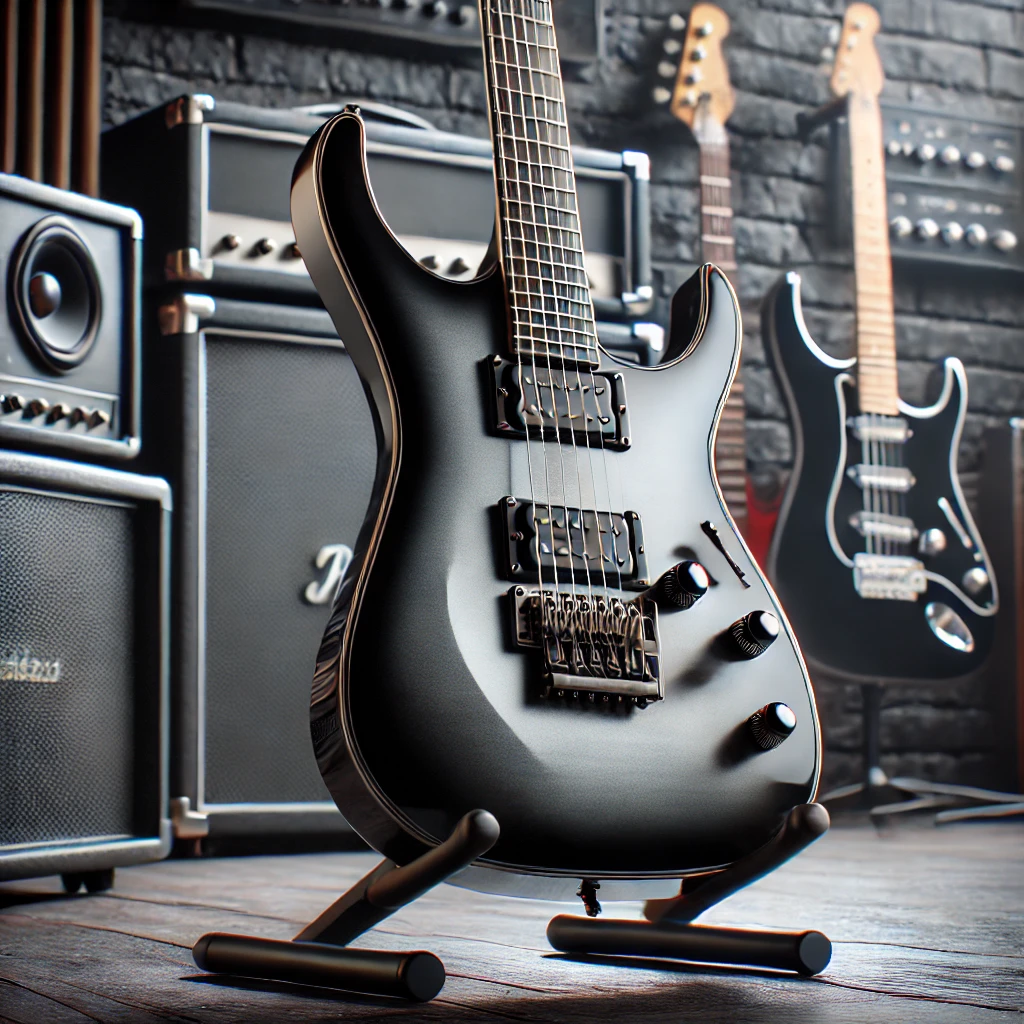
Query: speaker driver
56,292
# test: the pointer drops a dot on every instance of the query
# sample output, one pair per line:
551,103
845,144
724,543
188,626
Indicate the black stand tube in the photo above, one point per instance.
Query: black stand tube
667,932
316,956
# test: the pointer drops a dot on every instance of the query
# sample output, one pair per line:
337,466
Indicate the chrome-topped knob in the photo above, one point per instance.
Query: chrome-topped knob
975,580
952,232
925,152
435,8
265,246
98,418
901,226
927,228
932,542
976,234
949,155
684,584
754,633
58,412
13,403
1003,164
975,160
458,266
231,241
894,147
430,262
771,725
1004,240
37,406
293,252
79,415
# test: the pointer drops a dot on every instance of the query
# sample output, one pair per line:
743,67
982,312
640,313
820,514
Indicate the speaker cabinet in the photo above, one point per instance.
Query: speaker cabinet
1001,520
83,668
256,416
69,339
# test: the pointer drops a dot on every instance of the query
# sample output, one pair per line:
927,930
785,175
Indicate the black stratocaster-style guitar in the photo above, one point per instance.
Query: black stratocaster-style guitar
876,556
549,614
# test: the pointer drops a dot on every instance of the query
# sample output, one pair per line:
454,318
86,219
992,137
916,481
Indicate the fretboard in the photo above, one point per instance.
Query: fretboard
541,246
876,330
718,247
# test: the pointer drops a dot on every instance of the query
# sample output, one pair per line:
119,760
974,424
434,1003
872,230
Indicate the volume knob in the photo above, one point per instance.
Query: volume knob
771,725
754,633
684,584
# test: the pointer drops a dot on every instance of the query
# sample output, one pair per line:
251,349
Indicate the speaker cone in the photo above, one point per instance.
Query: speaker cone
56,292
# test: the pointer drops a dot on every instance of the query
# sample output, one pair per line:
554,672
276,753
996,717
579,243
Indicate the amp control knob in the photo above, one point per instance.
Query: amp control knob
13,403
976,235
975,160
925,152
771,725
1003,164
901,226
58,412
265,246
684,584
36,407
435,8
952,232
754,633
97,418
894,147
949,155
1004,240
927,228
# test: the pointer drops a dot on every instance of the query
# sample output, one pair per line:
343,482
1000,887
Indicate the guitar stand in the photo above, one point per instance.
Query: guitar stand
319,954
668,931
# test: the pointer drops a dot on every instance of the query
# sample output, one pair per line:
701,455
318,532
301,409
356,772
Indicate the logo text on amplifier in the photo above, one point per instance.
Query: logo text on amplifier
21,667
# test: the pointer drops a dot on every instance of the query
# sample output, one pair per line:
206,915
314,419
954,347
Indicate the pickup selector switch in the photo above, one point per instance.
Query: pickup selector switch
754,633
771,725
684,584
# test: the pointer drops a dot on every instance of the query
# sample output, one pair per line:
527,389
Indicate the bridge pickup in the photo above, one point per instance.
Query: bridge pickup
566,404
898,529
593,646
552,542
888,577
880,429
898,479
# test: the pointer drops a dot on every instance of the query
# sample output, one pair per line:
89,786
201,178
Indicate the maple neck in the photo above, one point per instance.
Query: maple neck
718,245
875,325
540,241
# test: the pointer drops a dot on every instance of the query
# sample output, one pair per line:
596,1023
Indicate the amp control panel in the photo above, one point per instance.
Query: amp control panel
955,187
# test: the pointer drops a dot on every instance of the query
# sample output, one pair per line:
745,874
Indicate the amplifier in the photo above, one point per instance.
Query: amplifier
83,670
955,187
212,181
260,423
69,342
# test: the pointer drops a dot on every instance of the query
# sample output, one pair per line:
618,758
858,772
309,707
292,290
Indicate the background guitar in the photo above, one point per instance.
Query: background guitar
876,556
703,99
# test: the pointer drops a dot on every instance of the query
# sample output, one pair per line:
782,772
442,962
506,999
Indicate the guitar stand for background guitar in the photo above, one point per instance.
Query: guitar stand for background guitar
320,955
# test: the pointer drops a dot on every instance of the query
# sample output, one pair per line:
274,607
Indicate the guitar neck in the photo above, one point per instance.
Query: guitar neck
718,246
540,243
876,329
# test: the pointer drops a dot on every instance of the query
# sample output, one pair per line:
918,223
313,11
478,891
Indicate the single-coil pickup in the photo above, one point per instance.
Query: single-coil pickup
567,404
898,479
880,429
582,546
596,646
898,529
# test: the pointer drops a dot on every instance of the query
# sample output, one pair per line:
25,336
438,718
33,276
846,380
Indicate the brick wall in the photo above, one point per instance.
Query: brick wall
967,56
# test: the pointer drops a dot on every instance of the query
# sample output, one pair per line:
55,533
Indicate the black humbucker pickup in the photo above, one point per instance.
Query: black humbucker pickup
583,545
564,404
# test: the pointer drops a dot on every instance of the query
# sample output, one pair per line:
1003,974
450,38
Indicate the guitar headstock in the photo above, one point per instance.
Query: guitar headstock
857,68
702,96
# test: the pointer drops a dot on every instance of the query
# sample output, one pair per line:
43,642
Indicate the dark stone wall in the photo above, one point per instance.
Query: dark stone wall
965,56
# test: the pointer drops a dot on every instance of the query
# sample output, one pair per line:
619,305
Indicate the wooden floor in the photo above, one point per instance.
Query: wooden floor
927,925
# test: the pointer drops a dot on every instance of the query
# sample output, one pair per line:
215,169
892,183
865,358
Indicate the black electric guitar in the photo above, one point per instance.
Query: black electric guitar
876,556
549,614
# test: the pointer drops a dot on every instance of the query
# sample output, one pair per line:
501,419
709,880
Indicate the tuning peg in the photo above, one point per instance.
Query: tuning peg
706,29
699,53
694,76
660,94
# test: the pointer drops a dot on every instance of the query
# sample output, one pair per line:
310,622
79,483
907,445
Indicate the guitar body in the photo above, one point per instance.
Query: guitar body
423,705
810,562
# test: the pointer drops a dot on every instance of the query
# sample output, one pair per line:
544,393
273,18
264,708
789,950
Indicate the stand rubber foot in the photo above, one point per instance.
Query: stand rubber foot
807,953
417,976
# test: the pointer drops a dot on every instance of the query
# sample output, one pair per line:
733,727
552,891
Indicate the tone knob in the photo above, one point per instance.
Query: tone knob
901,226
952,232
684,584
975,580
44,294
975,160
976,234
1003,164
1004,240
925,152
265,246
949,155
932,542
13,403
37,406
231,241
771,725
98,418
58,412
926,228
754,633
